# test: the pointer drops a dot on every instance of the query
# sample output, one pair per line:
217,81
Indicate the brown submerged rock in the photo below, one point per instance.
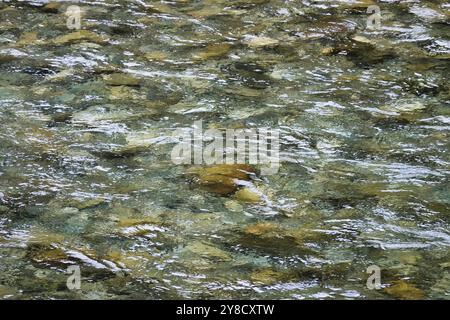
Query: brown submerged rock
405,291
260,228
52,7
219,184
47,255
222,179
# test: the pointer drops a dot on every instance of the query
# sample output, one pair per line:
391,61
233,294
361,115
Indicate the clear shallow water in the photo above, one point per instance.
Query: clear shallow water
85,139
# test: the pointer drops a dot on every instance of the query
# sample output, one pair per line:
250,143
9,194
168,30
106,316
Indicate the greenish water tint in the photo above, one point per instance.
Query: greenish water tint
85,139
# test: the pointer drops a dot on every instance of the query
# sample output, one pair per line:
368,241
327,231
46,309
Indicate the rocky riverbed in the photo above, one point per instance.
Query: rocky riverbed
86,175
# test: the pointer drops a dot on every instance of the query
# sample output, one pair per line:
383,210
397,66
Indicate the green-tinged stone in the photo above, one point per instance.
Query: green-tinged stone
269,276
208,251
213,51
86,204
121,79
80,36
132,222
156,56
233,206
124,92
248,195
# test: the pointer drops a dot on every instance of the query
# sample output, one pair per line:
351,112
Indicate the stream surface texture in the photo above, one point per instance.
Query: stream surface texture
86,175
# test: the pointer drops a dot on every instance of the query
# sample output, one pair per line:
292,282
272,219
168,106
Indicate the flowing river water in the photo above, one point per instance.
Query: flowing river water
87,179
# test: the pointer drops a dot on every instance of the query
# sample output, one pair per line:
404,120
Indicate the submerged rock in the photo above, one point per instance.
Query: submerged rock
260,228
327,51
233,206
50,250
213,51
365,52
405,291
48,255
145,227
269,276
208,251
28,38
52,7
131,222
244,92
125,92
222,179
156,56
121,79
219,184
251,74
80,36
86,204
101,114
248,195
270,238
7,292
3,209
260,42
402,110
404,106
133,263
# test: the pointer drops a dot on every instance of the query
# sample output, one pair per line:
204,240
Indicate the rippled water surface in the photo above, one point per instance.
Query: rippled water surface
86,176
